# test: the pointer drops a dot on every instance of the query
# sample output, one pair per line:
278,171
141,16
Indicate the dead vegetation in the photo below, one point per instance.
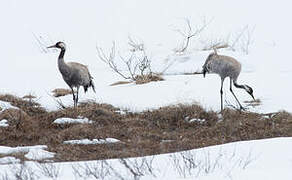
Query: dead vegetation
136,67
28,106
61,92
167,129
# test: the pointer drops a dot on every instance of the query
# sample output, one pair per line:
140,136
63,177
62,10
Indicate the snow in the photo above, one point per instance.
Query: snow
113,20
6,105
71,120
93,141
4,123
258,159
9,159
197,120
39,154
83,26
36,152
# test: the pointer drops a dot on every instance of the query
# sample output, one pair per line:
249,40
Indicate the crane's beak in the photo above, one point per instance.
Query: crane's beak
252,96
53,46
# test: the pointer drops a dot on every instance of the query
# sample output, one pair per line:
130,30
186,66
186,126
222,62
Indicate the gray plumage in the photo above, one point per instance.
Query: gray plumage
225,66
74,74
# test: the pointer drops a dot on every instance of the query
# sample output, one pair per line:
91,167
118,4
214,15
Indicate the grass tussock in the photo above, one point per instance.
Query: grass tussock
167,129
28,106
61,92
139,79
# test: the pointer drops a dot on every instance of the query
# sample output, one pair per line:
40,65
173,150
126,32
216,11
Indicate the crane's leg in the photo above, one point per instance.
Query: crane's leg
221,94
73,96
77,95
234,95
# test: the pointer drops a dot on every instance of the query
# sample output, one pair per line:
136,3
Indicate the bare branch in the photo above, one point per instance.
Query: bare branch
43,42
243,40
135,46
189,33
110,59
138,64
219,45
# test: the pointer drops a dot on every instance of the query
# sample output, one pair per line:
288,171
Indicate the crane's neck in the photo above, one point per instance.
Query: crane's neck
63,67
61,55
245,87
238,85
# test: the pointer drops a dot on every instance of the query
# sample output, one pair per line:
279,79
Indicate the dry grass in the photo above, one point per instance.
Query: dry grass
147,78
61,92
168,129
28,106
139,79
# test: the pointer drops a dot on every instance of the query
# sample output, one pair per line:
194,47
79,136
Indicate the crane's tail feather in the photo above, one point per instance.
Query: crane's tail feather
205,70
91,84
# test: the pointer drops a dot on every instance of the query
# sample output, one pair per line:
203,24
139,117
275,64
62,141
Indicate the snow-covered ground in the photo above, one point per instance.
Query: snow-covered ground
259,159
84,25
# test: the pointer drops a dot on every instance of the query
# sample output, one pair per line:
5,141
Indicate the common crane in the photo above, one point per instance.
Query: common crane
226,66
74,74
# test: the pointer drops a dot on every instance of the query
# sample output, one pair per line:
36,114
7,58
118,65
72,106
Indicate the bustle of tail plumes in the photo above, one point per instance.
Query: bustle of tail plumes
91,84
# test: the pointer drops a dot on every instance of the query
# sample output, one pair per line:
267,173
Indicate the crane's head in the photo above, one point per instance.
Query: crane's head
249,90
60,45
205,66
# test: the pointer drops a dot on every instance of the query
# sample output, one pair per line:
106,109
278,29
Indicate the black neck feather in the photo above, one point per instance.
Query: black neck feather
238,85
61,56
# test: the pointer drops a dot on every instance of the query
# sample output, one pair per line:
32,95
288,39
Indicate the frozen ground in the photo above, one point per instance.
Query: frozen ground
267,68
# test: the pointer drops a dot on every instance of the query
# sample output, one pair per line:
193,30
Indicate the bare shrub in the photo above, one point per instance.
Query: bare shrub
23,172
97,170
184,163
139,167
188,32
138,63
188,163
239,41
243,40
49,170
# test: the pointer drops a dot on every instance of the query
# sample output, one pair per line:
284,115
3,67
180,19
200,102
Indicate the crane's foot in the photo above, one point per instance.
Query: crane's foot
243,108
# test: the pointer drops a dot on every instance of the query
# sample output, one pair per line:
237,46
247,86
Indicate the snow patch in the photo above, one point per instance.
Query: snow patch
93,141
121,112
71,120
8,160
6,105
26,149
33,152
4,123
198,120
39,154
